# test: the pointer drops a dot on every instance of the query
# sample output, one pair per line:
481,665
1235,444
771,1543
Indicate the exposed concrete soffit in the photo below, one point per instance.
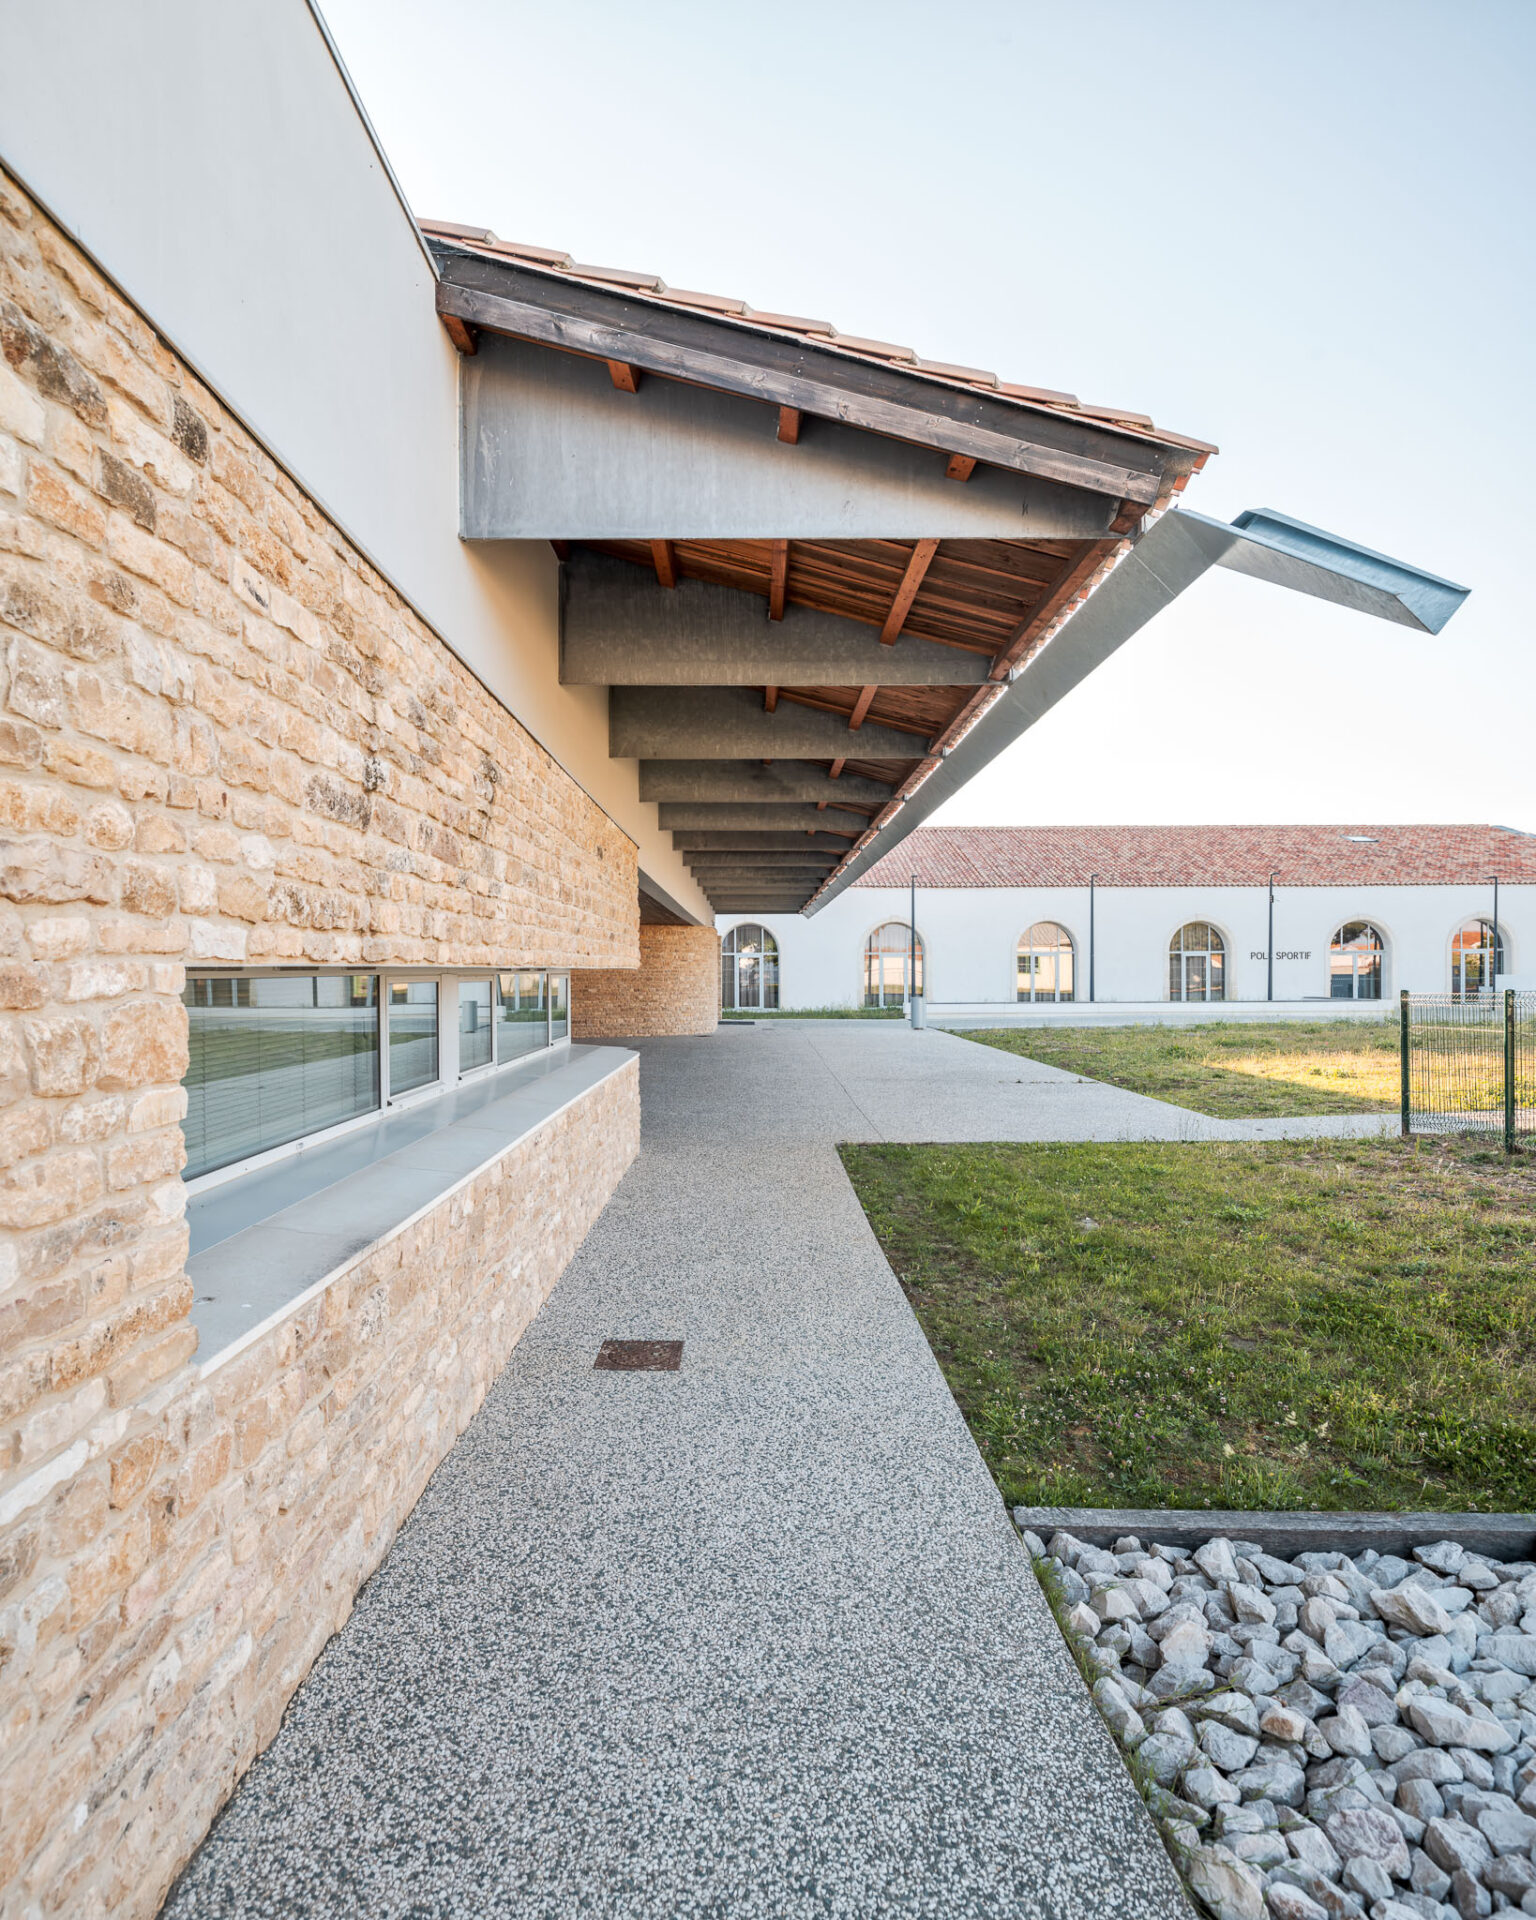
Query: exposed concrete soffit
759,818
1168,558
660,894
618,627
730,723
749,780
549,450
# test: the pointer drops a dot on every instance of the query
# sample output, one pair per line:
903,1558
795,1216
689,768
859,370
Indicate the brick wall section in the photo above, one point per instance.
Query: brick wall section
676,990
222,738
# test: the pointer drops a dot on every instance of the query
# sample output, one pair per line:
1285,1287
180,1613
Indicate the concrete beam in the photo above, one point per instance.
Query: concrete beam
759,872
619,628
735,904
702,858
672,814
729,882
729,723
751,780
699,840
548,450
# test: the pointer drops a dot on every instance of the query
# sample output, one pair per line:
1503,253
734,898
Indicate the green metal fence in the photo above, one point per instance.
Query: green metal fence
1469,1065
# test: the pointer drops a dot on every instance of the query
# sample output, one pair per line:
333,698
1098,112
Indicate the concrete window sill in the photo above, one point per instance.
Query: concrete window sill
261,1242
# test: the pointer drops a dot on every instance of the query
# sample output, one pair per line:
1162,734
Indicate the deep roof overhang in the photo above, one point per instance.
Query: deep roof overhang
812,575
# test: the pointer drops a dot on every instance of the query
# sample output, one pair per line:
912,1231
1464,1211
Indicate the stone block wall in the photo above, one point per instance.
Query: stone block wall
676,989
217,1542
223,739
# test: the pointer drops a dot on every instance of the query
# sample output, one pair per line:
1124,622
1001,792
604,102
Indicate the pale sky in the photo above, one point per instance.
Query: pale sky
1301,229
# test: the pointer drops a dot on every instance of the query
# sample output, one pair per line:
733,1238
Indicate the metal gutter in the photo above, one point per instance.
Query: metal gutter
1167,559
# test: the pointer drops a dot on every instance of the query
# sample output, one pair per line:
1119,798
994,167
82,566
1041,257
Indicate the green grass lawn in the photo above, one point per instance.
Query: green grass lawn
1229,1068
1286,1324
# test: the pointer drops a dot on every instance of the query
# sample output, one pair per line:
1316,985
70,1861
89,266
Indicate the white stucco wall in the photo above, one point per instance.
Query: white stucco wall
211,159
971,937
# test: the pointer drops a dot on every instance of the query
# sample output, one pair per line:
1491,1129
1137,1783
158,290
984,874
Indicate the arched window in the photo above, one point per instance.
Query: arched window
891,955
1476,959
749,969
1197,963
1355,955
1045,963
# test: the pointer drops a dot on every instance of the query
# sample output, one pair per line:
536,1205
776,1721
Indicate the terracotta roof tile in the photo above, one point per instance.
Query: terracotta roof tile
537,256
1396,856
876,349
973,376
552,260
791,322
619,277
709,302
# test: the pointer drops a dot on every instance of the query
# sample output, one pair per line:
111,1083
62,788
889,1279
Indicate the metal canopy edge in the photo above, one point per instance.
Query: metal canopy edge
1169,557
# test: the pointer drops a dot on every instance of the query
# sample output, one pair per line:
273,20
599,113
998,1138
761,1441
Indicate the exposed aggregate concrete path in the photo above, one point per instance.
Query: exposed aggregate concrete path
755,1638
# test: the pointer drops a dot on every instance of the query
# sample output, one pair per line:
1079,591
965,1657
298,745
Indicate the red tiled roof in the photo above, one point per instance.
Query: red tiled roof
1423,856
652,287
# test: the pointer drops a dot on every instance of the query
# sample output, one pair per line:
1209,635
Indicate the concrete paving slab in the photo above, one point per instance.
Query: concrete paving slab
755,1638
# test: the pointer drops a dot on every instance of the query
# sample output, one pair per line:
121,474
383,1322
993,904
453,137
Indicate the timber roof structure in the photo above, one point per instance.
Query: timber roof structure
787,670
1332,856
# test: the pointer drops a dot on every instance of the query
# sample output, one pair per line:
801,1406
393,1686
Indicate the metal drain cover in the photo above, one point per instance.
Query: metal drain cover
639,1356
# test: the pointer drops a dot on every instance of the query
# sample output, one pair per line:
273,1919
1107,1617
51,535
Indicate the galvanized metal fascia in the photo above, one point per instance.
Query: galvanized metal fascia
1169,557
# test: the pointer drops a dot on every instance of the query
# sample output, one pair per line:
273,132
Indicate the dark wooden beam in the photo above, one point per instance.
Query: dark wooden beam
625,377
664,561
789,425
562,549
770,699
861,707
778,579
789,370
835,770
960,467
918,564
465,337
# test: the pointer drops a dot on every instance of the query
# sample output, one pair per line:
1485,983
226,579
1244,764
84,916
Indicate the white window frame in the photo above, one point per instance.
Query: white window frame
448,1075
1385,950
1228,983
1032,999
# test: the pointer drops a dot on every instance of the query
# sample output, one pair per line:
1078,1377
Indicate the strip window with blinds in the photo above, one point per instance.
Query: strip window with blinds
275,1058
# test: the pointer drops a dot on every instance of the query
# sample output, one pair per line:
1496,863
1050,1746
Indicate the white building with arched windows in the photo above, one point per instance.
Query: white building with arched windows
1051,918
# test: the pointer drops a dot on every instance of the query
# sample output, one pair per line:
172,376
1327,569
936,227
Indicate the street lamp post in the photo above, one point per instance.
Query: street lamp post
914,1011
1092,880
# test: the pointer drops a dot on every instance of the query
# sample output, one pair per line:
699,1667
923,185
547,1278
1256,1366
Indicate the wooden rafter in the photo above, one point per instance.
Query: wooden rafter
465,337
770,699
778,579
803,699
625,377
836,768
921,559
861,707
960,467
665,562
789,425
1071,582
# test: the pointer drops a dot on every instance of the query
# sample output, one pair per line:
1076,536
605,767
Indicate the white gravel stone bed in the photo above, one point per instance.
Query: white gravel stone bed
1323,1736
